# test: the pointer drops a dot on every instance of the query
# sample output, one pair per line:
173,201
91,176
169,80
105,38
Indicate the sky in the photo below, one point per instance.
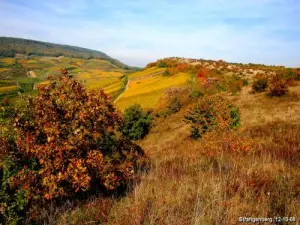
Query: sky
137,32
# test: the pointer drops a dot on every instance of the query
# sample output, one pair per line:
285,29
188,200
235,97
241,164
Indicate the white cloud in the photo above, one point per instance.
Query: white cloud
136,38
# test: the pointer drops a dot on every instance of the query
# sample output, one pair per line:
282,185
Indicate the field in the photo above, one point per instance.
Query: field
7,89
92,73
146,87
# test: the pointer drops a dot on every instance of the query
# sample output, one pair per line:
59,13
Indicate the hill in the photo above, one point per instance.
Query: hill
9,47
25,63
249,170
147,86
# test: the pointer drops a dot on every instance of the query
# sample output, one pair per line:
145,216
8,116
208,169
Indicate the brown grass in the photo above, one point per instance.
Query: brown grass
253,172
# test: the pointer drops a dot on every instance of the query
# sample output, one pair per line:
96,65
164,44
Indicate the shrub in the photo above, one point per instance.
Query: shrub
260,85
13,201
235,86
173,107
167,73
26,86
290,74
278,86
212,113
245,82
162,64
6,110
234,116
137,122
196,94
67,145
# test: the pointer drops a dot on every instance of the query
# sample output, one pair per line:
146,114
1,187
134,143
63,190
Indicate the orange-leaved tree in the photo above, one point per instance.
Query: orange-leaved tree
68,141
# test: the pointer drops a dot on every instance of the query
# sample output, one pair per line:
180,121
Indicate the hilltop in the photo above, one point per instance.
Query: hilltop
10,47
147,86
26,63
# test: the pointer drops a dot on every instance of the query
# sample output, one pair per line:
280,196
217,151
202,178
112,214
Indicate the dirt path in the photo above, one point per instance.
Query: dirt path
127,86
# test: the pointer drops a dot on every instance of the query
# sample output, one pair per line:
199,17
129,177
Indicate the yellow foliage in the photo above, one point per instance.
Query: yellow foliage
32,61
113,88
146,100
8,89
3,69
151,84
148,91
8,60
147,72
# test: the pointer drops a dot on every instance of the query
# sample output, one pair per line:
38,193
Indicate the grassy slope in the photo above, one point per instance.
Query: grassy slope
253,172
146,87
216,181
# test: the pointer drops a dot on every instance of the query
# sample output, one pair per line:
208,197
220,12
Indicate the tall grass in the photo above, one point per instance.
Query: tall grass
252,172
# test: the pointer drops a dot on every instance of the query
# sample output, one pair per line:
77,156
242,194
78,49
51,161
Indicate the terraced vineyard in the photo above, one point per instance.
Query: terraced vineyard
21,71
146,87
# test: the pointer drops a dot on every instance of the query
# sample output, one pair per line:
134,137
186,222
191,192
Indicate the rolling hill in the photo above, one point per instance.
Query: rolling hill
9,47
24,63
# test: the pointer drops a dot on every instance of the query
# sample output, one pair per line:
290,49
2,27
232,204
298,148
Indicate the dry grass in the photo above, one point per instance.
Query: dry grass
258,108
253,172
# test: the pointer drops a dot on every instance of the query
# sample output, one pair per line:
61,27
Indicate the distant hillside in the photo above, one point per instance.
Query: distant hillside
9,47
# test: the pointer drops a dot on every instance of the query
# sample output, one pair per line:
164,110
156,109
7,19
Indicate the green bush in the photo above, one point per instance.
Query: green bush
245,82
234,117
196,94
167,73
26,86
211,113
260,85
13,201
137,122
173,107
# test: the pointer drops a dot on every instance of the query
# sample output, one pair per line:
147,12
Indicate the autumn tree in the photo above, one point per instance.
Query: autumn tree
68,142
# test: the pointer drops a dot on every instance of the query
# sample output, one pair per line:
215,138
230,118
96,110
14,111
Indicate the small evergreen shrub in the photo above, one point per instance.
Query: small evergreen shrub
26,86
211,113
196,94
260,85
245,82
167,73
137,122
173,107
235,117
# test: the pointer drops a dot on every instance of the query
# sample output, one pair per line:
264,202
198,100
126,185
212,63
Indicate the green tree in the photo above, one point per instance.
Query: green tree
137,122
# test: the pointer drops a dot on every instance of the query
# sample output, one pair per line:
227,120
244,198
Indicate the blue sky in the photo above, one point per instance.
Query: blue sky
141,31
